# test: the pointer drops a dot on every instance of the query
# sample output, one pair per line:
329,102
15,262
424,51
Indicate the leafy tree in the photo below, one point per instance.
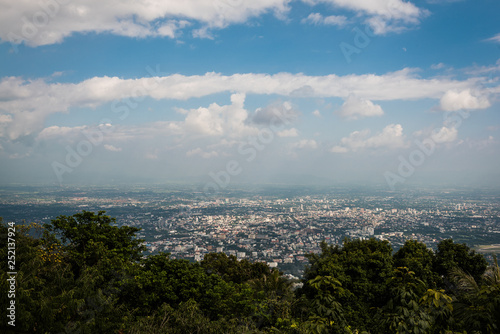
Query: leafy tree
188,318
362,267
162,280
440,308
478,303
45,292
272,284
84,274
403,313
450,255
327,313
418,258
232,270
102,257
89,238
276,299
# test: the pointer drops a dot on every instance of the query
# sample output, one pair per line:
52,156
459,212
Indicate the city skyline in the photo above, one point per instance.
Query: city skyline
279,226
230,91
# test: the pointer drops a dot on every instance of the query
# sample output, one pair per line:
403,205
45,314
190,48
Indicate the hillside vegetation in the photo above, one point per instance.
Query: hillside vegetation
83,274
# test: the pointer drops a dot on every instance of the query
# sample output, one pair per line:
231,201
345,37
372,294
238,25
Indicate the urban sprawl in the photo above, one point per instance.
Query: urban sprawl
279,229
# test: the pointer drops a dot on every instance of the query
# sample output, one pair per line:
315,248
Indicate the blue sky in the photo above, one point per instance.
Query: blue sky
383,92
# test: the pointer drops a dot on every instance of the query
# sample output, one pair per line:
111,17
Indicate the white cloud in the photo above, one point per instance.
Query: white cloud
455,100
30,102
5,119
391,137
318,19
301,145
437,66
339,149
316,113
275,114
488,69
57,132
112,148
50,21
354,108
207,132
495,38
229,120
382,16
481,144
305,144
288,133
169,29
442,2
204,32
201,153
445,135
224,143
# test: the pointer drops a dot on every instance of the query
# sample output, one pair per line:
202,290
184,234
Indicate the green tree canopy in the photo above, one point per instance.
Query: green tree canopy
450,255
83,232
362,268
233,270
419,259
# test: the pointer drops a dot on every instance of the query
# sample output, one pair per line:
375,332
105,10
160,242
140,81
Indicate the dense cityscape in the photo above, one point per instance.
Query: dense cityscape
278,225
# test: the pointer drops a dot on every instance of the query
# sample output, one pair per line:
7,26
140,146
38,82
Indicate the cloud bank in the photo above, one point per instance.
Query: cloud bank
50,21
26,103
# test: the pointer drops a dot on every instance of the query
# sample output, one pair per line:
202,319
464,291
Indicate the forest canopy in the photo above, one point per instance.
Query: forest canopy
84,274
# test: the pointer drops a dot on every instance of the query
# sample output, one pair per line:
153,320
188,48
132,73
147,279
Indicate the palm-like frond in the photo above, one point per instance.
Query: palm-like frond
477,305
491,276
463,281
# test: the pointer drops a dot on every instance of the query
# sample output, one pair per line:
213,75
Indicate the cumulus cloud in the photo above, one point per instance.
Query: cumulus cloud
382,16
318,19
216,120
455,100
30,101
208,132
50,21
391,137
304,91
354,108
445,135
275,114
316,113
